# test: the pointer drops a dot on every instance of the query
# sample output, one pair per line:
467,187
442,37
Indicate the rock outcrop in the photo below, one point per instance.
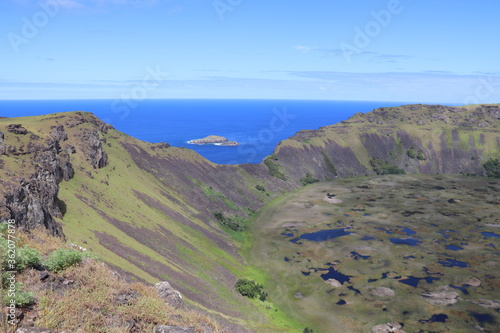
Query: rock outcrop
388,328
382,292
30,194
445,296
169,295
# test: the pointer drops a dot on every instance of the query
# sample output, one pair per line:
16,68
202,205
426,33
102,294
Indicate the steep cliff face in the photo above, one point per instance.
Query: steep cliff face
35,159
425,139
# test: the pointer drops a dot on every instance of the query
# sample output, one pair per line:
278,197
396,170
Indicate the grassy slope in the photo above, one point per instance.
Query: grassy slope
194,263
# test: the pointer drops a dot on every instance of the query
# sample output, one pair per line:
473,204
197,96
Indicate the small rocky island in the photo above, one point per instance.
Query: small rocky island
214,140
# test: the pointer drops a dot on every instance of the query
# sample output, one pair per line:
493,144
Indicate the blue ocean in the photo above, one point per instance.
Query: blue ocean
258,125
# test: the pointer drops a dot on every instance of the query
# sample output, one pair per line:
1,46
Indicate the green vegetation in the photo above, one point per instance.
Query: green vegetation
492,168
420,155
235,223
260,188
251,289
308,330
61,259
329,164
274,168
308,179
384,168
411,153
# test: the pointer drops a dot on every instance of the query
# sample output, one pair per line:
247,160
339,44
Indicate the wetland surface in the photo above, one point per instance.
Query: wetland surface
414,249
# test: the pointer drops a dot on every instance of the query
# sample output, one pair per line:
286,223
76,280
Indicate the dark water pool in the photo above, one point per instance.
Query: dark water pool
322,235
436,318
454,247
341,302
407,231
413,281
405,241
483,317
367,238
448,262
490,234
287,234
461,288
333,274
356,256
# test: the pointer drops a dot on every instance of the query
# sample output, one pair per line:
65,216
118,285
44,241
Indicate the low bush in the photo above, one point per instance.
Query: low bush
18,258
492,168
308,179
235,223
61,259
251,289
384,168
260,188
16,295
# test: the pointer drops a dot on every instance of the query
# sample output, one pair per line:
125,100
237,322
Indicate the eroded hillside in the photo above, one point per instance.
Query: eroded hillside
428,139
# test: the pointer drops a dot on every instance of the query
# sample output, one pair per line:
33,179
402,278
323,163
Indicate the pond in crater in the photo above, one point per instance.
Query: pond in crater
490,234
322,235
333,274
405,241
454,247
413,281
448,262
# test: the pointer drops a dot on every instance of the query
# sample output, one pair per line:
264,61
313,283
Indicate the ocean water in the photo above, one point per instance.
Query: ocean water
258,125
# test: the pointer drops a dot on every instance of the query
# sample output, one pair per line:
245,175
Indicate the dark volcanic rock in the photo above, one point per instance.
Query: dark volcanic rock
17,129
92,146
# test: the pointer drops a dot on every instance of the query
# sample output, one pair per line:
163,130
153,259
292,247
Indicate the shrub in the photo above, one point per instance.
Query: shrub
235,223
308,179
16,295
24,257
411,153
251,289
420,155
384,168
61,259
260,188
492,168
308,330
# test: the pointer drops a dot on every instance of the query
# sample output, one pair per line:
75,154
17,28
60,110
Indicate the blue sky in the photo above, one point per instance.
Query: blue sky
387,50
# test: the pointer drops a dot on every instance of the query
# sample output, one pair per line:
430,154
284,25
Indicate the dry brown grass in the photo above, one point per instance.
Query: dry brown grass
40,240
89,305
